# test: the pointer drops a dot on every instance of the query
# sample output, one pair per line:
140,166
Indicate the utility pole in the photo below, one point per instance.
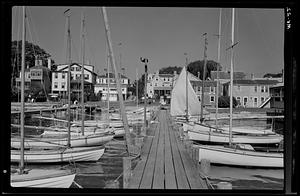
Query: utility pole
203,76
145,61
82,73
69,75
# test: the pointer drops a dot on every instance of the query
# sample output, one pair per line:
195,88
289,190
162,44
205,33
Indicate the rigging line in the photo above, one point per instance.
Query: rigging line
30,37
76,51
33,27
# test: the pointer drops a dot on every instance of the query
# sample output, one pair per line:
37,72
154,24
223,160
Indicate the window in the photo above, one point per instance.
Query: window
238,100
199,88
63,84
155,84
255,102
212,89
262,99
245,101
212,98
263,89
86,76
266,88
55,85
238,88
78,69
255,88
63,76
56,75
72,68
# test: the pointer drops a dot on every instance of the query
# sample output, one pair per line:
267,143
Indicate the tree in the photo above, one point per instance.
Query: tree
197,66
270,75
170,70
31,51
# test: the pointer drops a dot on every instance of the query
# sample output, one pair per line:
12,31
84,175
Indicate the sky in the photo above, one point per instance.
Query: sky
161,34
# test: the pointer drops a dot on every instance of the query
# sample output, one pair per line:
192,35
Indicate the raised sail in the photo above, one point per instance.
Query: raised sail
178,99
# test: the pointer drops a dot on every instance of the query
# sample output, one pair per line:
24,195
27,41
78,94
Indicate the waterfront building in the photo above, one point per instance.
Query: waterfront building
251,92
101,86
277,96
60,79
160,84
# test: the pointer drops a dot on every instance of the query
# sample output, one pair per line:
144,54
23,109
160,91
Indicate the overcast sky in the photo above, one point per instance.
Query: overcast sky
162,35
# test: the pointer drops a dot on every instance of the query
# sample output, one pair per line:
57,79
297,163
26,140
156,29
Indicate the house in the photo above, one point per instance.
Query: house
160,84
277,96
209,91
60,79
101,86
250,93
37,77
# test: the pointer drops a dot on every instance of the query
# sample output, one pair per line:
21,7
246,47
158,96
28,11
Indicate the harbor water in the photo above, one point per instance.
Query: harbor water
107,172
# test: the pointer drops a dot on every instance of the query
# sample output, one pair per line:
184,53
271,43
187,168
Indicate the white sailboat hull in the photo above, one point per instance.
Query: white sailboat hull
59,155
50,142
43,179
237,157
207,134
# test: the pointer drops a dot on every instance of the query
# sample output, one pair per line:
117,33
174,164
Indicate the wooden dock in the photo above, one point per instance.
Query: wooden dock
165,162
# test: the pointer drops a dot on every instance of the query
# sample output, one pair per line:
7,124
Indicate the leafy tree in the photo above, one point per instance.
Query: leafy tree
170,70
31,51
197,66
224,102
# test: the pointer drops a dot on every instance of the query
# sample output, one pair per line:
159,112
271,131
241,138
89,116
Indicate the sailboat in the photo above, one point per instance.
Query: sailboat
203,132
74,140
35,177
238,155
60,149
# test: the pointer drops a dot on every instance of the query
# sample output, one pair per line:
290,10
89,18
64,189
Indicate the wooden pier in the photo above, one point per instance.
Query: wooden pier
165,162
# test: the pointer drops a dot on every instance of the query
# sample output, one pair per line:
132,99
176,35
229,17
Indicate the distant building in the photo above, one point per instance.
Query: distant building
101,86
277,96
160,84
37,76
250,93
60,79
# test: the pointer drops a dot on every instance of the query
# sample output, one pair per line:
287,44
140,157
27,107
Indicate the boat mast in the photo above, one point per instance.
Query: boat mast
108,86
69,76
203,77
82,72
231,78
186,89
137,89
21,166
112,61
219,48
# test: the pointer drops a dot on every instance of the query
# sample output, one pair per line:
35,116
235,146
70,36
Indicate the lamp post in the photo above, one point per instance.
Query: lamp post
145,61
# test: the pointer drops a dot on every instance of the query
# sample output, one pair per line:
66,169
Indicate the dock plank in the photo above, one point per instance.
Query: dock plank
158,178
139,168
146,182
170,180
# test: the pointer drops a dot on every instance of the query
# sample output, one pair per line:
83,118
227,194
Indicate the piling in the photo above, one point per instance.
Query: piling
126,171
40,121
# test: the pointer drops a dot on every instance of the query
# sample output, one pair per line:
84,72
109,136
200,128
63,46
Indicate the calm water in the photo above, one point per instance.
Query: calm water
106,172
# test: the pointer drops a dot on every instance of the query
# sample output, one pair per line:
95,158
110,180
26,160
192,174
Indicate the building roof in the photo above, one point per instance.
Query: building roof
254,82
111,75
279,85
78,66
206,83
166,75
226,75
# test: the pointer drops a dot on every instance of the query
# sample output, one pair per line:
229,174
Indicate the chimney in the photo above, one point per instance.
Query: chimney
36,60
49,63
175,72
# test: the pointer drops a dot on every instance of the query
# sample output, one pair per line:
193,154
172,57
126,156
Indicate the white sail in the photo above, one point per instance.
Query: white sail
178,99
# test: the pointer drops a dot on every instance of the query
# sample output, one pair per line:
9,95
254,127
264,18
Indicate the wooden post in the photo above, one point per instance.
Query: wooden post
205,166
224,185
40,121
126,171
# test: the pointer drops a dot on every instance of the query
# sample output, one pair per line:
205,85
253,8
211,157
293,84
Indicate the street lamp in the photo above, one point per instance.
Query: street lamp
145,61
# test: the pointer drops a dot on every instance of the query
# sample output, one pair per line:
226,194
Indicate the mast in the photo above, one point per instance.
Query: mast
137,89
145,94
186,89
203,76
21,166
82,72
219,48
112,60
69,76
231,78
108,84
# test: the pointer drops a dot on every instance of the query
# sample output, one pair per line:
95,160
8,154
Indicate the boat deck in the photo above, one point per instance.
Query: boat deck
165,163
